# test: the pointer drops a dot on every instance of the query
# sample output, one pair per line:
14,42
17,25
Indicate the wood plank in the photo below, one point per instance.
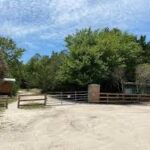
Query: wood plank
31,98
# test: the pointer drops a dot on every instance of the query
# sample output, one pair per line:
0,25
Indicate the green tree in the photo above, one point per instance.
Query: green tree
142,77
3,66
12,55
119,77
41,71
94,55
145,53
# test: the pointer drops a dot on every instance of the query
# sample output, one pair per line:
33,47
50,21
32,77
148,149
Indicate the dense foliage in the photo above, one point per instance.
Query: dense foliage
93,56
3,66
10,64
142,77
40,71
11,55
106,57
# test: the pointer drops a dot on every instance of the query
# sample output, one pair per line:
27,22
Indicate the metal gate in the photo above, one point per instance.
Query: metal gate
69,97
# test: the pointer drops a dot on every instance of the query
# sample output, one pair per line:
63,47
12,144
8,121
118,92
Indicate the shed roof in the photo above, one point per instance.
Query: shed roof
9,79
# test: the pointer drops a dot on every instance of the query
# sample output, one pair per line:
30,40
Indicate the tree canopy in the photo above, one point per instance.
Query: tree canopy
93,56
12,55
10,63
108,57
41,71
3,66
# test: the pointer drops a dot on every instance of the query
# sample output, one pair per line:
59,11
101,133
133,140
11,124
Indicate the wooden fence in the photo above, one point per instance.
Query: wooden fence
52,98
22,99
123,98
4,101
76,96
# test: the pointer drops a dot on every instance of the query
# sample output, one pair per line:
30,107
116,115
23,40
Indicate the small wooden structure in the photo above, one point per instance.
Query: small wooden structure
31,98
6,86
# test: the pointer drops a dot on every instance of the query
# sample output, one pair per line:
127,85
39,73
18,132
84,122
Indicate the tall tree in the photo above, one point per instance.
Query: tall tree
41,71
145,53
12,55
93,56
142,77
119,77
3,66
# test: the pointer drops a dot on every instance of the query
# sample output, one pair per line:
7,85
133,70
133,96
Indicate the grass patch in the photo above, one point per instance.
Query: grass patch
12,99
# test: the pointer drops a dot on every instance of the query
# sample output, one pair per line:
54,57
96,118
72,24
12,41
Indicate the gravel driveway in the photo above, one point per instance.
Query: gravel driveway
76,127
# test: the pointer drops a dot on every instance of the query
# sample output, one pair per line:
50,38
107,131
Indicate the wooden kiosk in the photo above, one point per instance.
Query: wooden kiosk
6,86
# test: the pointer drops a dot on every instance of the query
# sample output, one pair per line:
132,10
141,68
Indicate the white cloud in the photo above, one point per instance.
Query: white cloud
70,11
30,16
67,11
55,19
8,29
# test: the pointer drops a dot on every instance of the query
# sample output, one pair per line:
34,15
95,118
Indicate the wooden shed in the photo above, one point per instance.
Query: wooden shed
6,86
135,88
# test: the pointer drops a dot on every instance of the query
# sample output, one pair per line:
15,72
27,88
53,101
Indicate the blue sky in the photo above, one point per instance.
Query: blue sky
40,26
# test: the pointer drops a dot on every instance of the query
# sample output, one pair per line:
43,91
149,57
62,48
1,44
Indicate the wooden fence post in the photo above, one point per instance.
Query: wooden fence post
139,97
107,98
18,101
75,96
45,102
61,97
7,102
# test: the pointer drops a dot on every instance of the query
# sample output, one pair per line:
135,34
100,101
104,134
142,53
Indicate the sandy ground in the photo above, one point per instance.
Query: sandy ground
76,127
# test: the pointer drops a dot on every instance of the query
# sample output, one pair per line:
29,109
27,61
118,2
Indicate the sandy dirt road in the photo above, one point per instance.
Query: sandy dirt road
76,127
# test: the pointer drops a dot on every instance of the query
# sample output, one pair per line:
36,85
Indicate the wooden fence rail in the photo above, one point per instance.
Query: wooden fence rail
4,101
123,98
31,98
